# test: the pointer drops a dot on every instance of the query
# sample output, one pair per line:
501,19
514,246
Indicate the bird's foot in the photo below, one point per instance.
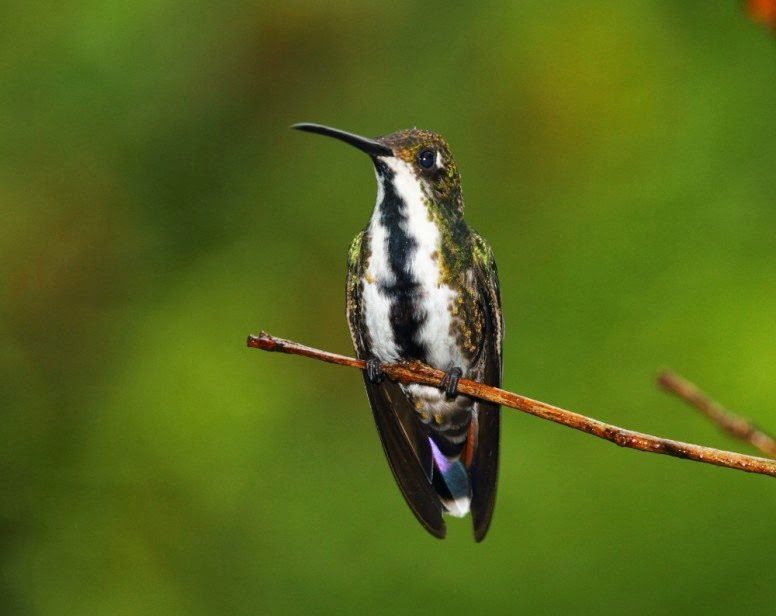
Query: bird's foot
373,371
450,381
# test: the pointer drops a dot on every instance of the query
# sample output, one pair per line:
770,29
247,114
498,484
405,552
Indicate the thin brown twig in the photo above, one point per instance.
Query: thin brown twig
425,375
728,422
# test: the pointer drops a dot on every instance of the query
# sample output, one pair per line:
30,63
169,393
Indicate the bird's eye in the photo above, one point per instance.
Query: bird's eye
426,159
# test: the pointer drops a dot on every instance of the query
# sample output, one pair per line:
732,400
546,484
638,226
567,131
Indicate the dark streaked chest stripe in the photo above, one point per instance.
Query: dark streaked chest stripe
405,290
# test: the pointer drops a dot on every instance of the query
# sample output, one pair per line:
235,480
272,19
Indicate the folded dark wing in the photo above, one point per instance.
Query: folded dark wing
484,469
407,449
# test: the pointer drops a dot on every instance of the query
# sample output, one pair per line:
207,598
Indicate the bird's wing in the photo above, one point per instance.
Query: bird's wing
404,437
484,469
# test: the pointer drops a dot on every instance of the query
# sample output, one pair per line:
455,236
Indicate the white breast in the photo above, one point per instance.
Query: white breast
436,299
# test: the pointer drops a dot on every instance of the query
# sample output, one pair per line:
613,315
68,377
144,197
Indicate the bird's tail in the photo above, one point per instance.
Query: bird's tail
451,477
451,482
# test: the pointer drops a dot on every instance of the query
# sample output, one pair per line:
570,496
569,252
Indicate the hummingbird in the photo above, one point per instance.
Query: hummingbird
423,286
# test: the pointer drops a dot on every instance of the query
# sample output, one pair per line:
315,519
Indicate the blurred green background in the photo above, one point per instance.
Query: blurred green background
156,209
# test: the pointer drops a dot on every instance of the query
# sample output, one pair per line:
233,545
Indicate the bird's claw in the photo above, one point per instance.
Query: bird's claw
450,381
373,370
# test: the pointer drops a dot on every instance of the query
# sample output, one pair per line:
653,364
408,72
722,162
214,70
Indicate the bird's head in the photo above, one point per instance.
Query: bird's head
411,160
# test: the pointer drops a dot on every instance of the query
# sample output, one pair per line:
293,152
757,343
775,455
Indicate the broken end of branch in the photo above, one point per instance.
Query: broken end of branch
263,341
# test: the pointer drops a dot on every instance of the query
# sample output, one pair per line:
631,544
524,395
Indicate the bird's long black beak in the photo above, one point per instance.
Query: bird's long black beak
370,146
